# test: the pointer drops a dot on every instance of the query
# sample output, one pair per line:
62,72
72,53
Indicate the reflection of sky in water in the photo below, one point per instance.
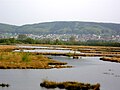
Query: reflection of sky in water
55,51
44,49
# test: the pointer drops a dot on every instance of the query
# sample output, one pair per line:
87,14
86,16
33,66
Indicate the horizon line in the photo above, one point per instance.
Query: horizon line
60,21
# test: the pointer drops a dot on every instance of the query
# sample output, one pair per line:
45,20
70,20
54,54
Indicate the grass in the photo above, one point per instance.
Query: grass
111,59
22,60
16,60
4,85
86,50
25,57
7,48
9,59
68,85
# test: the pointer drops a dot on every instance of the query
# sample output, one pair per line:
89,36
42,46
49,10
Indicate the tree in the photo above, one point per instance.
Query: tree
30,41
22,37
58,42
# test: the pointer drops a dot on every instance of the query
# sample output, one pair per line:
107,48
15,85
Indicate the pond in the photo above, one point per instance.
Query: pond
85,69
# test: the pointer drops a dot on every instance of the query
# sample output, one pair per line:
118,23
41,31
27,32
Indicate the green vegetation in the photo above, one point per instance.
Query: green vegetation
70,27
25,57
12,41
23,60
26,60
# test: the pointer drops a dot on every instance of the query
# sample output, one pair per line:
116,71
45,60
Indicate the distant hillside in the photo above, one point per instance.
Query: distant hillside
63,27
5,28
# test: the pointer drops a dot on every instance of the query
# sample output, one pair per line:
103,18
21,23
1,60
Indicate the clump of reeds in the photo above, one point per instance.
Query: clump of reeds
69,54
4,85
25,57
69,85
1,56
26,60
111,59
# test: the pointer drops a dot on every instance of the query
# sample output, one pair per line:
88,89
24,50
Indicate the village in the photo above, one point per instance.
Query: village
65,37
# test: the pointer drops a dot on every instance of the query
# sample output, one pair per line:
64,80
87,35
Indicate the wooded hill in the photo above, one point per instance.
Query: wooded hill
63,27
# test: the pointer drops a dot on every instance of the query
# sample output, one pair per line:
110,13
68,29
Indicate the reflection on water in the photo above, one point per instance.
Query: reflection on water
49,51
43,49
86,69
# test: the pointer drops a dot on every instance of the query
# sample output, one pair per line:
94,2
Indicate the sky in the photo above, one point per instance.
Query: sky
20,12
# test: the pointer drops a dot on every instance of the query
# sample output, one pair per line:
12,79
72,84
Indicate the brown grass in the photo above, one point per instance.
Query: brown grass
87,50
69,85
111,59
21,60
10,59
4,48
14,60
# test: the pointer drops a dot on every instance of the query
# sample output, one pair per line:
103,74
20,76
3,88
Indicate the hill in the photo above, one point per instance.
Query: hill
63,27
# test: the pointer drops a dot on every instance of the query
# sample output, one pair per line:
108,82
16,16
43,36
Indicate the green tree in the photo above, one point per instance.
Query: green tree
30,41
22,37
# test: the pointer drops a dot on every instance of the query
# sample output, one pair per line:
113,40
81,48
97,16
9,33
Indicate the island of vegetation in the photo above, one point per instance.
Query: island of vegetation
26,60
111,59
68,85
4,85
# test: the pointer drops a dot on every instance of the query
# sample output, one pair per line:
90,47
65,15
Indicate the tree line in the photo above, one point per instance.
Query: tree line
11,41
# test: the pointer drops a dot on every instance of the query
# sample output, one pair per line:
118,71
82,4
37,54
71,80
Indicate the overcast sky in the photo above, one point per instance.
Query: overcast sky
21,12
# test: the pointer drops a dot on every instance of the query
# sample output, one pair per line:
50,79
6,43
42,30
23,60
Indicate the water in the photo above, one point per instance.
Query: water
86,69
50,51
44,47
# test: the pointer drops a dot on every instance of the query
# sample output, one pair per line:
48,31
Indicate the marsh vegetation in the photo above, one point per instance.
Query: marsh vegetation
26,60
69,85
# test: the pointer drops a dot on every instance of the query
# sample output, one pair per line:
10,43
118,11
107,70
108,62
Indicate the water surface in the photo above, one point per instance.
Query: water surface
86,69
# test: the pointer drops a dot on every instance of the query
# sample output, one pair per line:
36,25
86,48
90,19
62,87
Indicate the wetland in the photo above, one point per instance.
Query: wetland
86,69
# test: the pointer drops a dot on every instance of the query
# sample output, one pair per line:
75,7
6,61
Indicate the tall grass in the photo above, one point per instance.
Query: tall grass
1,56
26,57
69,54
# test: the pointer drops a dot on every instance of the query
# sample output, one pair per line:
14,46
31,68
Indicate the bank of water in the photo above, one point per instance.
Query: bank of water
85,69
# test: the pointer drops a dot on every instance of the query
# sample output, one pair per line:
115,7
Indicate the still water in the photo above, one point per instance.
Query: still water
85,69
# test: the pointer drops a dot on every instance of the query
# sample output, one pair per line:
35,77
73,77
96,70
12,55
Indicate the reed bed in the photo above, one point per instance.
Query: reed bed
68,85
7,48
22,60
86,50
111,59
4,85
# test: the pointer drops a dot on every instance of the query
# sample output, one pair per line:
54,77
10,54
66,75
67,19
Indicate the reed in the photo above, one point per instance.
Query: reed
22,60
111,59
68,85
4,85
25,57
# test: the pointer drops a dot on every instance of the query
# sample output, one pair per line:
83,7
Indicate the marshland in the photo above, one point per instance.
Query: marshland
25,67
59,45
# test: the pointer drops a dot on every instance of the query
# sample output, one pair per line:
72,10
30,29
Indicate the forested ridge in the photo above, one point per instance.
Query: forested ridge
63,27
